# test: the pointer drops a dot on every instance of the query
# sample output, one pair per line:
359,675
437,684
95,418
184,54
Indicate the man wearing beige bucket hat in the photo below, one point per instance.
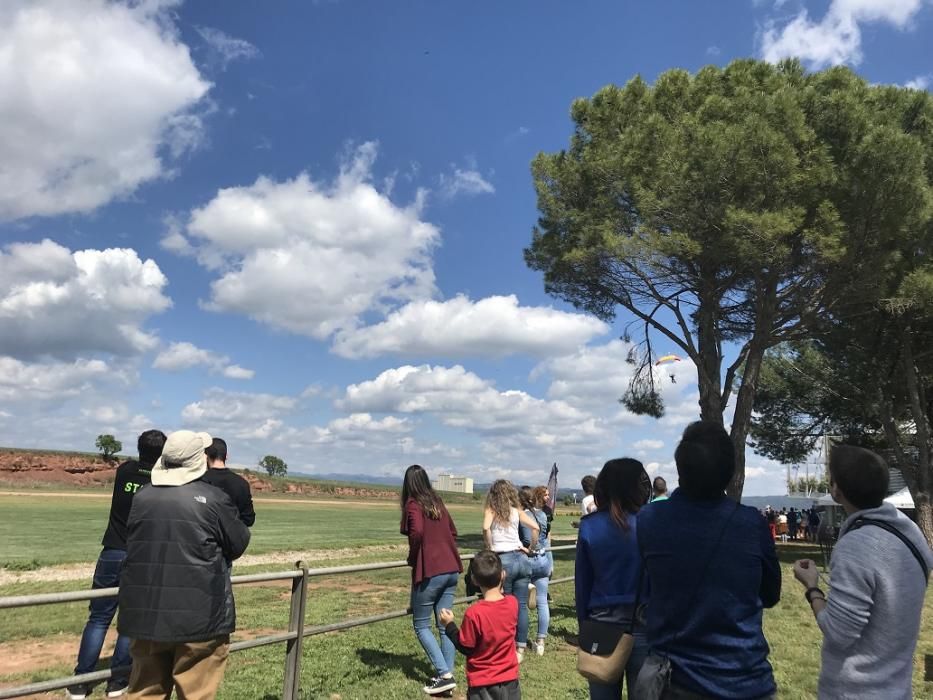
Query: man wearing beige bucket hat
176,599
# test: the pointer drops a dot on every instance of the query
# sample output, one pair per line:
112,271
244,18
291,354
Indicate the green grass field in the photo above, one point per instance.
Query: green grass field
36,525
373,662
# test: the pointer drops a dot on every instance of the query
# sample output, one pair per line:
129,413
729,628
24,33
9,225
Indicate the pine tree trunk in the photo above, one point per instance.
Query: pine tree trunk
742,418
709,364
924,515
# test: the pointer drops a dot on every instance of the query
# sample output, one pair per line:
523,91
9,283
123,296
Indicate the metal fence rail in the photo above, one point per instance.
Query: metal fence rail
292,638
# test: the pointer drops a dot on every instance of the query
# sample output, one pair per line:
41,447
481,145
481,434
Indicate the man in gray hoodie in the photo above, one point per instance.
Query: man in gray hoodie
878,578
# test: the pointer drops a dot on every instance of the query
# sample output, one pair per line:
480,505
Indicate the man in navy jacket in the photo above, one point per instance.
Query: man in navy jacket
712,569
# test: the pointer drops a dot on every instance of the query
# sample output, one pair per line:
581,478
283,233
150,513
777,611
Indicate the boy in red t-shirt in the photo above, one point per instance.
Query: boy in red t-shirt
487,637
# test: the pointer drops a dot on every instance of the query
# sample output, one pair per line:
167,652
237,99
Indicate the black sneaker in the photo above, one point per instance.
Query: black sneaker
436,686
116,689
78,692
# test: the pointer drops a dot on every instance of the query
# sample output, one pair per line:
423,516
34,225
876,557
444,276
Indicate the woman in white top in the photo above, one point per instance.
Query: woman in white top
500,532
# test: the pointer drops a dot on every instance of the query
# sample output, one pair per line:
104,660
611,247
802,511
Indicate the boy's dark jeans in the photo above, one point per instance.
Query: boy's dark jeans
500,691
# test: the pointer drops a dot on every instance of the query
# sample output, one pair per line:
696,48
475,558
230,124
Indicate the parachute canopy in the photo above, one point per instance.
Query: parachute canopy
667,359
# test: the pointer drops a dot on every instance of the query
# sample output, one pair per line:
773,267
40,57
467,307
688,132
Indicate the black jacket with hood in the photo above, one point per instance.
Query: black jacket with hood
175,585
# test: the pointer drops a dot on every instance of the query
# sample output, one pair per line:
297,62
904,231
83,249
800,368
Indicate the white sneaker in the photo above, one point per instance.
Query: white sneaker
539,647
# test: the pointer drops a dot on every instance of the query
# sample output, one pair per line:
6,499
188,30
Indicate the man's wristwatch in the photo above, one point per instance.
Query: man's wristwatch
811,592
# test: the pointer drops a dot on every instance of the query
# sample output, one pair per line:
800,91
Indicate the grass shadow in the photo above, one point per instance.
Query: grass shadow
413,666
788,552
470,542
569,611
569,636
565,555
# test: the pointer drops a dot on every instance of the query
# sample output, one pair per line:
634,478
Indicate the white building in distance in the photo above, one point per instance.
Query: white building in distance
457,484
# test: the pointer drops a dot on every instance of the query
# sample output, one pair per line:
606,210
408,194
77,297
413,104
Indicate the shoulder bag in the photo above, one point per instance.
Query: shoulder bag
604,648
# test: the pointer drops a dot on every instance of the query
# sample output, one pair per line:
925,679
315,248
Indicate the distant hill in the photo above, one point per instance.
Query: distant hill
351,478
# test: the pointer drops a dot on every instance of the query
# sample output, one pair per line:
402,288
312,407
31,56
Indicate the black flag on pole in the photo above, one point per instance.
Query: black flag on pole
552,488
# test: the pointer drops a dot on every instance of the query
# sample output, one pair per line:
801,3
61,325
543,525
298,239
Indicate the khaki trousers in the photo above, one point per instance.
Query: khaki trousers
193,669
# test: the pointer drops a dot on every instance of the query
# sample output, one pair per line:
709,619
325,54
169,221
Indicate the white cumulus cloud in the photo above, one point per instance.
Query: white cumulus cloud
242,415
227,48
62,303
311,257
357,429
491,327
181,356
597,376
237,372
93,93
648,444
921,82
22,381
463,400
836,38
464,181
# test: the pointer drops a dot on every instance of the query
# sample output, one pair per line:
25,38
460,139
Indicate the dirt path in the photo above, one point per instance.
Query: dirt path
85,571
27,656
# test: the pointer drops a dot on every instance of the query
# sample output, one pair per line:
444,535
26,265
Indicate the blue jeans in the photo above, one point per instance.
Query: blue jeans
541,569
517,568
428,598
621,614
102,610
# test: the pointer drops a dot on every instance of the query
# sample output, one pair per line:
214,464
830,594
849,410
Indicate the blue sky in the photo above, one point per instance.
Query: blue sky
302,230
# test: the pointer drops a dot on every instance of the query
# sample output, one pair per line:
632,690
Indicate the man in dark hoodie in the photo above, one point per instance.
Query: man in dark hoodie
229,481
176,598
131,476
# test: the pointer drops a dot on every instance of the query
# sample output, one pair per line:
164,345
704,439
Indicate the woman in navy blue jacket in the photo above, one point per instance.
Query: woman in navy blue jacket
713,568
608,566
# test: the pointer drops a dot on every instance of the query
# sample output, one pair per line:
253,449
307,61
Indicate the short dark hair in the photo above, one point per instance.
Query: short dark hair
217,452
659,485
486,569
588,483
705,460
149,446
860,474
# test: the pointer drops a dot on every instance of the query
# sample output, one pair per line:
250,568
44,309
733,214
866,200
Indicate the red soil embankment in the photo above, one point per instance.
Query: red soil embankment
40,468
25,468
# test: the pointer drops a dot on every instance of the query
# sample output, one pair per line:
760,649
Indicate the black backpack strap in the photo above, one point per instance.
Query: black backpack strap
860,522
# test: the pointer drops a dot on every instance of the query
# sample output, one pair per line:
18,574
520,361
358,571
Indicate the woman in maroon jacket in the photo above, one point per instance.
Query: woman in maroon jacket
435,565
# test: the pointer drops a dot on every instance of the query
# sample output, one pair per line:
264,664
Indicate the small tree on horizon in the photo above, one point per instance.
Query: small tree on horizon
108,446
273,465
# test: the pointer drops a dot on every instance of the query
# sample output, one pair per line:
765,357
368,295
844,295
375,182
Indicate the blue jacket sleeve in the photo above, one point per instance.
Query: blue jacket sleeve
583,575
770,590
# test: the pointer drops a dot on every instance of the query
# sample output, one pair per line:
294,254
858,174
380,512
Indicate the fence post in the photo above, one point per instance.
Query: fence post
296,624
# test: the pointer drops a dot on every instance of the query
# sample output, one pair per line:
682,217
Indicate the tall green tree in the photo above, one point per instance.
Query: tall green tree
729,207
866,375
867,378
